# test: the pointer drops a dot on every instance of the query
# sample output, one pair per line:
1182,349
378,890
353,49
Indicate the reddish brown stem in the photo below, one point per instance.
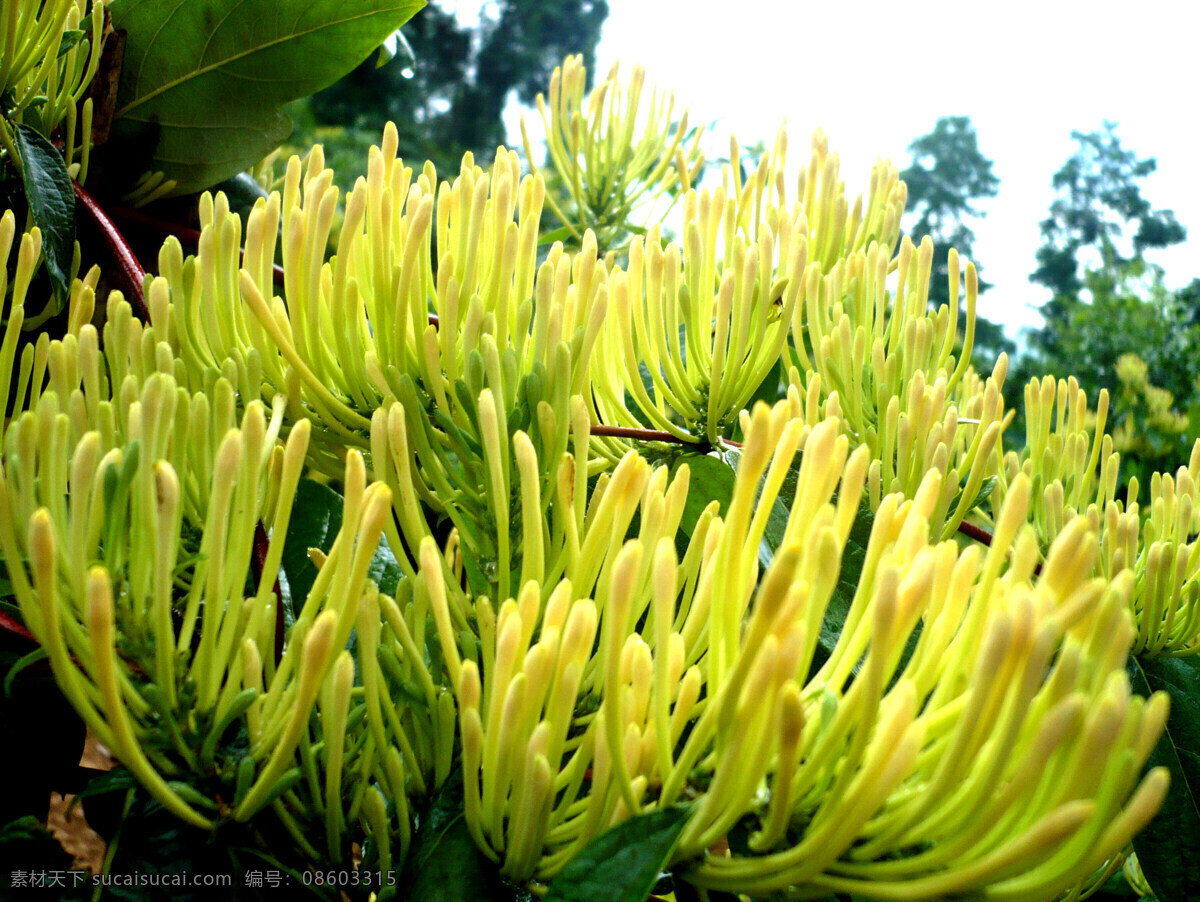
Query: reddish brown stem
261,545
126,262
644,435
982,536
9,625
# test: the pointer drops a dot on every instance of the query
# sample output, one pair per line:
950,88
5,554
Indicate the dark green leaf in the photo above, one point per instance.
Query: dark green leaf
621,864
711,480
985,491
242,191
770,389
44,736
444,864
316,519
1170,846
51,198
215,102
777,520
27,841
853,556
70,38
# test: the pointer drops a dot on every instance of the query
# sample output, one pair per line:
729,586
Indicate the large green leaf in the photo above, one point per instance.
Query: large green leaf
204,79
623,863
51,199
1169,847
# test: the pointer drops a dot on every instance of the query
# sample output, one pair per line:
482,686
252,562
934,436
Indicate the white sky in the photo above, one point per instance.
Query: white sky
876,75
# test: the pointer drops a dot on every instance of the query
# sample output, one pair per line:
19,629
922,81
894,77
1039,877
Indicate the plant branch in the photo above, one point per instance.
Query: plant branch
644,435
971,531
126,261
11,625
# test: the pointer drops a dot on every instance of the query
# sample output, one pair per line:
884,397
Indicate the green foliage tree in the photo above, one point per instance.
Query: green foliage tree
1099,210
450,98
1132,315
946,179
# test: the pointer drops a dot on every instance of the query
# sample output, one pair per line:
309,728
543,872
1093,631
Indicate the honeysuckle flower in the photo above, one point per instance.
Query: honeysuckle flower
1068,457
613,154
1000,754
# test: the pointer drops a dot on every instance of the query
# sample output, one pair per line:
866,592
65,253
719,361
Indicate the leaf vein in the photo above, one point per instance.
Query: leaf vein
202,70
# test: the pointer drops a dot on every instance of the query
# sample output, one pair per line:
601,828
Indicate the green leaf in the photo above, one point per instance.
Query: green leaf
70,38
205,78
712,479
621,864
316,519
562,233
445,865
1169,847
853,556
51,198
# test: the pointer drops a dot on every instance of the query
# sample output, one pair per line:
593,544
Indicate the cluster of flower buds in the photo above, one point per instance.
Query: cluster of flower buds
707,323
432,369
131,513
1072,465
42,77
618,161
700,327
998,748
904,385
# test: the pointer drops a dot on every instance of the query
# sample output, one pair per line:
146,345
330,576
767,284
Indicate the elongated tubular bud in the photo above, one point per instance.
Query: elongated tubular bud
431,569
293,463
321,393
333,725
169,518
318,646
374,809
43,557
665,564
125,743
532,554
613,637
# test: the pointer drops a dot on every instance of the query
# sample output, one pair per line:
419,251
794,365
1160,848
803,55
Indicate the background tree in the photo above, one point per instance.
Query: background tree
946,178
1099,216
1112,321
450,98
